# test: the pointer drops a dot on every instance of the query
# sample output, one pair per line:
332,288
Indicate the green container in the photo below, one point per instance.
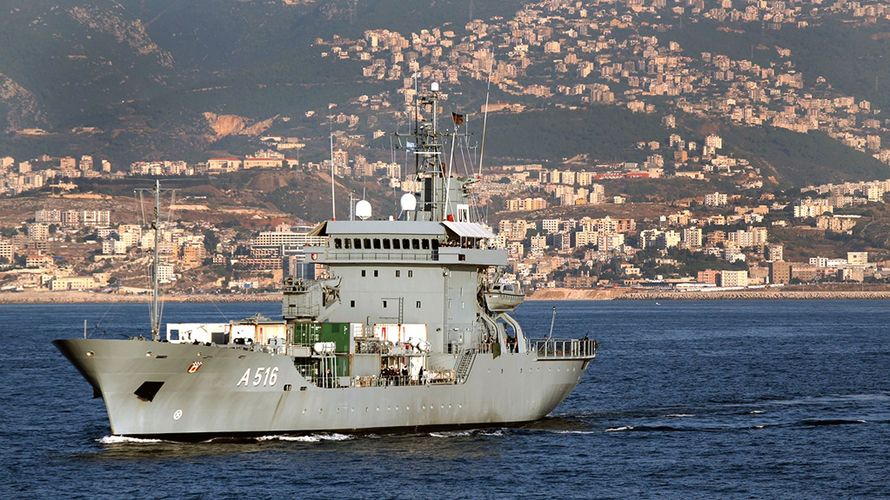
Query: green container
338,333
306,334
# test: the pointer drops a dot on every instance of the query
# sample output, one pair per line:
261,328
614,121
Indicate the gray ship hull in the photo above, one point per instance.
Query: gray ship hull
227,395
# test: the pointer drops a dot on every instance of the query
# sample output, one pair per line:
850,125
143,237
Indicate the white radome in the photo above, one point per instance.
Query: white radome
363,210
408,202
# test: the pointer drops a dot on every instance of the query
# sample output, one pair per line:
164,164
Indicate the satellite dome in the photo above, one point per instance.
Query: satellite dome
408,202
363,210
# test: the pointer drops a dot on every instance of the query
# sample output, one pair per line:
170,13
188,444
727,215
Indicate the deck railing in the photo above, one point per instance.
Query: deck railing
563,348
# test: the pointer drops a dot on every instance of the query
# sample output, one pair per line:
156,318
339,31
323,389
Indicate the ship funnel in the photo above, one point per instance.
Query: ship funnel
363,210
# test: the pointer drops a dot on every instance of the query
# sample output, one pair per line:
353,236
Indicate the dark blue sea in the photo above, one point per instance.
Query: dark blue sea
687,399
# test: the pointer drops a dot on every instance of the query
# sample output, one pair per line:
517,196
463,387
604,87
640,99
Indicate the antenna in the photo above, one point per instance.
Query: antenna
552,321
155,309
448,174
333,194
485,115
351,206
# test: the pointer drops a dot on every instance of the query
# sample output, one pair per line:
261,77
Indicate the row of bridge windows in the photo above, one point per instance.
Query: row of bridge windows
398,273
386,243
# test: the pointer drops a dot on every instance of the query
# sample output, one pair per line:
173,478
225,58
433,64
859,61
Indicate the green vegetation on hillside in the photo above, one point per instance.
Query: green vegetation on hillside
801,159
854,58
605,133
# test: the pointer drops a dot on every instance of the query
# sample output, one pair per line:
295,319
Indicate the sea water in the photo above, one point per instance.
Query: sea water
686,399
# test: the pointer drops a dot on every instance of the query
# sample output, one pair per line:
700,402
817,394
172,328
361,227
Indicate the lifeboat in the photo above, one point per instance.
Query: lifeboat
502,297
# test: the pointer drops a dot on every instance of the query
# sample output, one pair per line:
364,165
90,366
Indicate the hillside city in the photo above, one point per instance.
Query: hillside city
749,238
688,209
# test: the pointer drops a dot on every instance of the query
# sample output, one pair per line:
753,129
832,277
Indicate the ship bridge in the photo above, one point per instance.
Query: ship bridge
446,242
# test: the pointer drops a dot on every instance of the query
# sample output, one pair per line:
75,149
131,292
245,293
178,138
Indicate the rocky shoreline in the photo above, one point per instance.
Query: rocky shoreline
758,294
761,295
100,298
543,294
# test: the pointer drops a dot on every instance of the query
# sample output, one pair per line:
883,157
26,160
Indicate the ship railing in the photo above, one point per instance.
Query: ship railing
557,349
484,348
301,311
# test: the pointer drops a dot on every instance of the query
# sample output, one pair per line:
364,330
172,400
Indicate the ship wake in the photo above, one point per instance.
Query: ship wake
308,438
126,440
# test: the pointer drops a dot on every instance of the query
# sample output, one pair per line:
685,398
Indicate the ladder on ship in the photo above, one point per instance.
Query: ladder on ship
464,365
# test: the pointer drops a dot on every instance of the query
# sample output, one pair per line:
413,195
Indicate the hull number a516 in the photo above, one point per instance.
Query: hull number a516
262,376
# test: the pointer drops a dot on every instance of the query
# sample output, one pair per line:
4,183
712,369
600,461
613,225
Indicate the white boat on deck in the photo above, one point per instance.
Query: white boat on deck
502,297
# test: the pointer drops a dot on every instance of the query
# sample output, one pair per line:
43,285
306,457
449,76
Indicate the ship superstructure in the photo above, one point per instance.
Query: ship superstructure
408,326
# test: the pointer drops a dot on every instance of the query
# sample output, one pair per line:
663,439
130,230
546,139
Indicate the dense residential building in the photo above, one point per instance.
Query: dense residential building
716,200
733,278
779,272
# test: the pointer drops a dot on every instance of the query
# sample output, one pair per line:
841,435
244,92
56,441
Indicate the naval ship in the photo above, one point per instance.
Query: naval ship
407,327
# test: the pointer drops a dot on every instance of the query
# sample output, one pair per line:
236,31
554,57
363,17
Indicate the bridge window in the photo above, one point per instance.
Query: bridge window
387,244
415,244
396,244
367,244
426,243
347,243
406,244
356,243
338,243
376,243
435,244
398,273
